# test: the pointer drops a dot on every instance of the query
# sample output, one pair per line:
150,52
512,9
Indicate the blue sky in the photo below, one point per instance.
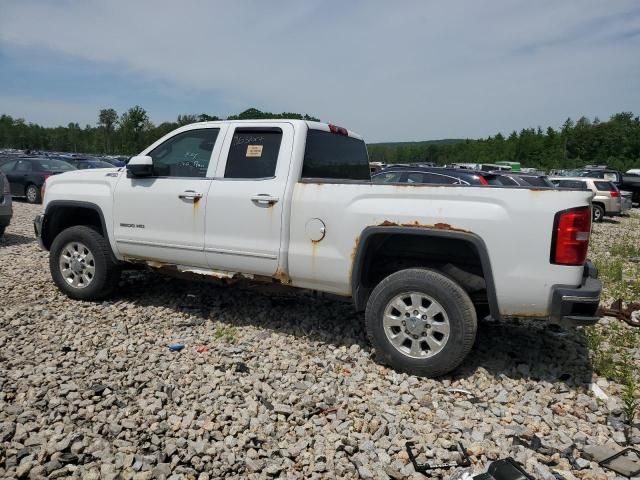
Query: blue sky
392,71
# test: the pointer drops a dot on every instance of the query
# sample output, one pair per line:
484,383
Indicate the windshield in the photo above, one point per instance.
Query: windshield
54,165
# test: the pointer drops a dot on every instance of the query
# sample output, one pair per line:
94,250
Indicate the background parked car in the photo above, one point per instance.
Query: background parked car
6,209
435,176
27,175
528,180
607,200
624,181
115,161
88,163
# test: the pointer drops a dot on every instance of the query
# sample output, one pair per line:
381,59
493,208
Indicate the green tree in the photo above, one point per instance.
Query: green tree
132,126
107,119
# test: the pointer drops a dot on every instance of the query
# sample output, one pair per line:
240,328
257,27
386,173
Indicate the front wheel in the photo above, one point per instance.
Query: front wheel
421,321
82,265
33,194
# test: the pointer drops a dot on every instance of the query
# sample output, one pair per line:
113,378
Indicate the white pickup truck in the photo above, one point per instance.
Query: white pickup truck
292,202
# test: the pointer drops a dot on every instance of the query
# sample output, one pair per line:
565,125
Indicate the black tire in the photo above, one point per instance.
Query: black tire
598,213
107,271
33,193
2,229
452,298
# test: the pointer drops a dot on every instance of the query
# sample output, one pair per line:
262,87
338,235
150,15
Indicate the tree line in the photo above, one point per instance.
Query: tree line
122,134
615,142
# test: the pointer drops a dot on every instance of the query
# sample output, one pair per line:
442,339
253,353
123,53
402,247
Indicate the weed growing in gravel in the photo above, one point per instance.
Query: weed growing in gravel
621,279
225,333
629,398
611,270
625,249
610,358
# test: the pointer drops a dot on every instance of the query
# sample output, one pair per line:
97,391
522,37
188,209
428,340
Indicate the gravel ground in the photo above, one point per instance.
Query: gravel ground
286,387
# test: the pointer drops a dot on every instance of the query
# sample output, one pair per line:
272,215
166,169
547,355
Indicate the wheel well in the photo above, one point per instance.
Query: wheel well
61,217
456,255
599,204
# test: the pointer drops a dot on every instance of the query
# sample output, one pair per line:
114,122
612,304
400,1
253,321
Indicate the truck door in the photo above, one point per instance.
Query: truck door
245,206
162,217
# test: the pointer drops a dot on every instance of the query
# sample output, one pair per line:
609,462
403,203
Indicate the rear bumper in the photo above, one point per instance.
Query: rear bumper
37,228
577,306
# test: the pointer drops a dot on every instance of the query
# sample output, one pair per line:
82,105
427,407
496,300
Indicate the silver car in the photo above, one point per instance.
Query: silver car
606,200
6,208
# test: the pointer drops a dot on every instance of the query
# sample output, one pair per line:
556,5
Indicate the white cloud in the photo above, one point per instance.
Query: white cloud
389,70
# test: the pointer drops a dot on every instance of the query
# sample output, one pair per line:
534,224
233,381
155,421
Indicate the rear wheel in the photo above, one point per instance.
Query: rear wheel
2,229
32,193
598,213
82,265
421,321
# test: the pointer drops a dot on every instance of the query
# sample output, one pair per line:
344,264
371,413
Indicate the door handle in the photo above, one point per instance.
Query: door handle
264,199
190,195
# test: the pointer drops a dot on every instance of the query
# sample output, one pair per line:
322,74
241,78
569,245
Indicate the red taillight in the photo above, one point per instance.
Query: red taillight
483,181
615,193
338,130
571,231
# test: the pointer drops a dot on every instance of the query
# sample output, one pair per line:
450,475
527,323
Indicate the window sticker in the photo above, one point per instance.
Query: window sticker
254,150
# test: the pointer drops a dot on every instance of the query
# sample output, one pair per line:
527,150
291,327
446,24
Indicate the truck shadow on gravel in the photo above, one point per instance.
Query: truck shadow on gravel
9,239
521,349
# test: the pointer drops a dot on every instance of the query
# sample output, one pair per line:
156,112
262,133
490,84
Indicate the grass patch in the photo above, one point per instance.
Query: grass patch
626,249
611,270
620,280
629,390
611,359
225,333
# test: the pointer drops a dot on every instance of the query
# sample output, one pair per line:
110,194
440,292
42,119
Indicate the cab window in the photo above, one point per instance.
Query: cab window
335,156
253,153
186,154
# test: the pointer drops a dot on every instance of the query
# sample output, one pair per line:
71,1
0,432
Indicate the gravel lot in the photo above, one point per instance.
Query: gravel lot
286,388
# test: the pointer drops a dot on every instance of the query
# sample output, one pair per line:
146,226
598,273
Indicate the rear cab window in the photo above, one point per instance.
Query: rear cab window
335,156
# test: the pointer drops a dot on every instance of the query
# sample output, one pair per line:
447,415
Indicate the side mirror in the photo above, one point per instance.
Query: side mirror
140,166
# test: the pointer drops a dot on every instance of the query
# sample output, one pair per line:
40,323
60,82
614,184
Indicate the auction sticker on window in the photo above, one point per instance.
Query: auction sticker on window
254,150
